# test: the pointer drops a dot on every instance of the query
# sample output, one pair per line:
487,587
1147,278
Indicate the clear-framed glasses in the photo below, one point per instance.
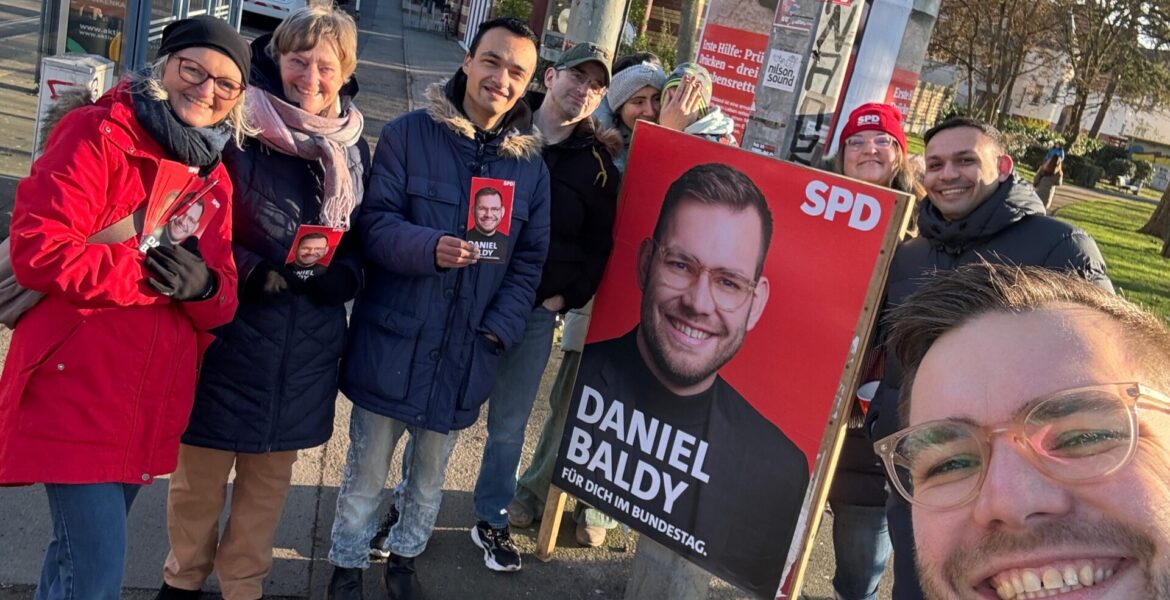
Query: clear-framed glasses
679,271
882,141
579,78
1073,435
194,74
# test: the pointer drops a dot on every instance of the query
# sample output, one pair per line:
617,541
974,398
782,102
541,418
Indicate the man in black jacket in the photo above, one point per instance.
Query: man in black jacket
583,187
978,210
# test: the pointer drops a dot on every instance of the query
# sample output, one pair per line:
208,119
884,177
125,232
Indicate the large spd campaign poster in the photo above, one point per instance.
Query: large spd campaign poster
720,332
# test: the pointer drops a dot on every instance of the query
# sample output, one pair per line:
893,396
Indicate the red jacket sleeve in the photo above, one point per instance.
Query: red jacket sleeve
58,206
216,248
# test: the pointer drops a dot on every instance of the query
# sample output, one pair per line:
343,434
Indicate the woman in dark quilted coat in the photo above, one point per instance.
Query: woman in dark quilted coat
269,382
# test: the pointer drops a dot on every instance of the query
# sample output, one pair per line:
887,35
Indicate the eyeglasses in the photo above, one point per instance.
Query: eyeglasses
1073,435
579,78
194,74
681,272
881,141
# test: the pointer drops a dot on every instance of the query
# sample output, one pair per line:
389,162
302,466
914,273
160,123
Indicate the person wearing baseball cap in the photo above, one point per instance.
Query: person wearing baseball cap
582,53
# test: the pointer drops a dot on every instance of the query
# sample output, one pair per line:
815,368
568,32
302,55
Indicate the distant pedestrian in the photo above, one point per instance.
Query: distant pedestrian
433,320
100,376
1049,176
269,382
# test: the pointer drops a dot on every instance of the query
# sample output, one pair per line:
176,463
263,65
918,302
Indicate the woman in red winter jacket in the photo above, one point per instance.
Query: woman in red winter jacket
100,376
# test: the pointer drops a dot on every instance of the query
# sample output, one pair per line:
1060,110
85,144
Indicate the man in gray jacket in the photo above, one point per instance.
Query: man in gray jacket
978,209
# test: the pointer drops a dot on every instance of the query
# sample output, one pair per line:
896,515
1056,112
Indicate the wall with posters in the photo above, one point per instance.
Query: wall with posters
731,47
716,350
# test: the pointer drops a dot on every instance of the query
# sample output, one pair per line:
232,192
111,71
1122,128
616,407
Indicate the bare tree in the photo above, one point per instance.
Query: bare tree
990,40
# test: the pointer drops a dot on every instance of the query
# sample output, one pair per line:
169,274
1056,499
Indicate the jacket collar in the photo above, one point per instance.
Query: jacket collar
516,135
1009,204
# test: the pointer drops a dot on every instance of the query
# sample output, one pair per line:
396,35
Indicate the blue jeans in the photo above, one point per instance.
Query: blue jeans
87,552
861,543
517,382
372,439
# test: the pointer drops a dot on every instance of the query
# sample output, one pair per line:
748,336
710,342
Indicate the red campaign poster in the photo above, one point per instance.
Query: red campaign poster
901,90
719,338
489,218
732,47
312,250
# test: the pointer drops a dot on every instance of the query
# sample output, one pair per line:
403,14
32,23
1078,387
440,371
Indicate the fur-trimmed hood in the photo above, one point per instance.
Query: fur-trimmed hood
518,137
75,96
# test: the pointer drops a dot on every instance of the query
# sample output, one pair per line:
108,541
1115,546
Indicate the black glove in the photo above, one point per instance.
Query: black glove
180,273
268,284
333,287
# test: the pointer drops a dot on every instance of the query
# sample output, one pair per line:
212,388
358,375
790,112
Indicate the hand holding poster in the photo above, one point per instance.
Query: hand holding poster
490,217
723,323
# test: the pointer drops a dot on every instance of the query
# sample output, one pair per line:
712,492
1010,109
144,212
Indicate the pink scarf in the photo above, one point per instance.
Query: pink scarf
290,130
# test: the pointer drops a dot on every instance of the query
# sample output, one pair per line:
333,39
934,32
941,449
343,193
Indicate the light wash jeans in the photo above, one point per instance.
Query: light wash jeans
517,382
87,553
861,543
372,439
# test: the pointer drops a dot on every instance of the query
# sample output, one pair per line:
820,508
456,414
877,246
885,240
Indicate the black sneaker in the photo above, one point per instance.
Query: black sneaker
345,584
167,592
499,553
378,544
401,579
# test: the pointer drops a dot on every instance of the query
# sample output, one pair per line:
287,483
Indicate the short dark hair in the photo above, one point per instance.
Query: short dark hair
624,62
487,191
986,129
951,299
715,184
512,24
312,236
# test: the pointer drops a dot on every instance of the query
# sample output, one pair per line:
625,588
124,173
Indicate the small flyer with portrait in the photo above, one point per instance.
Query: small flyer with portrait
187,217
313,250
490,217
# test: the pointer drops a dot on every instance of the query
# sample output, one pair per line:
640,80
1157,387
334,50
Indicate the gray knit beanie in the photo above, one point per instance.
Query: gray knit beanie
628,81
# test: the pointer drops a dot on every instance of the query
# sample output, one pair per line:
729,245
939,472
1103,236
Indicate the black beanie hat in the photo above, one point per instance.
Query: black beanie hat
206,31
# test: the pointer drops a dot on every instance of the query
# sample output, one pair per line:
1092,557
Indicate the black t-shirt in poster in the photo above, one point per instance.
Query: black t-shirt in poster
727,486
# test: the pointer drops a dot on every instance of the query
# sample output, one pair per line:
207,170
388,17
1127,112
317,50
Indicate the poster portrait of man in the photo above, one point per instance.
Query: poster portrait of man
718,340
491,208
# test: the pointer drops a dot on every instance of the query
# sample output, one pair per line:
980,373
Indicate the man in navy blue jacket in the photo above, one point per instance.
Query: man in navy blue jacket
429,328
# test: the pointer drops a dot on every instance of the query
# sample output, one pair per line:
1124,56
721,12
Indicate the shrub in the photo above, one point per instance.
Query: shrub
1120,167
1034,156
1085,145
1019,136
521,9
1143,172
1107,154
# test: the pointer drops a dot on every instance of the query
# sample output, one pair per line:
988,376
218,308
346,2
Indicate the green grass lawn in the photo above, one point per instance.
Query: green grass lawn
1135,265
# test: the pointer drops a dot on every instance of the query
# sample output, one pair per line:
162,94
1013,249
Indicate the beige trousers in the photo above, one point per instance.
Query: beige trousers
242,557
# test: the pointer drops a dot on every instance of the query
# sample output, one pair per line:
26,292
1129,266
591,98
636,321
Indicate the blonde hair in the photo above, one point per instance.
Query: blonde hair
306,27
148,82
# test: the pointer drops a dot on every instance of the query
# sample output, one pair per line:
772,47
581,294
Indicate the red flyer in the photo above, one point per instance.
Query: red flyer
189,217
489,218
313,250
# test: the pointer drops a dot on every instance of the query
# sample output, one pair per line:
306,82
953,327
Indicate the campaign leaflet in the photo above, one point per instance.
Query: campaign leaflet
489,218
719,336
312,250
188,217
171,182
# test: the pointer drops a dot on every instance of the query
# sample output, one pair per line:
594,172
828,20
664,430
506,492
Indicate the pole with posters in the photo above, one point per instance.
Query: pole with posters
794,114
722,354
596,21
889,58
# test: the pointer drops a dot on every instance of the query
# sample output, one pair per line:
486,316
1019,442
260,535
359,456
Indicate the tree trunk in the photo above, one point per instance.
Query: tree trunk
1111,89
1159,223
691,12
1072,130
644,19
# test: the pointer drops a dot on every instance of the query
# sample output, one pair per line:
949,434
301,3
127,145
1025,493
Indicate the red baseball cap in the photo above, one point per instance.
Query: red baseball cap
875,116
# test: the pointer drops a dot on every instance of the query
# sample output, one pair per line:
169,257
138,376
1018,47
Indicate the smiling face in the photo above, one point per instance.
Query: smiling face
643,105
685,336
311,250
576,91
197,104
1111,536
489,209
964,167
868,161
312,78
497,75
185,225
